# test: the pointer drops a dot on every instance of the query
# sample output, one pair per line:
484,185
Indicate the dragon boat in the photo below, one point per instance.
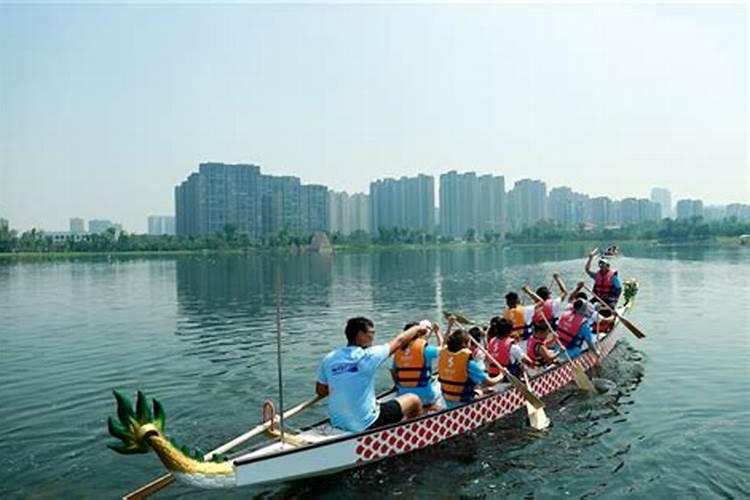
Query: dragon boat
322,449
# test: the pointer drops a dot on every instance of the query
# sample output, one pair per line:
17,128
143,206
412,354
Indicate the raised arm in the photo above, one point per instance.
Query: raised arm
592,254
536,298
407,336
561,285
578,288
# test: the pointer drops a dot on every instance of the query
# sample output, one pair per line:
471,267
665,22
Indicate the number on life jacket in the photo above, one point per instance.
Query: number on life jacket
453,374
499,348
410,366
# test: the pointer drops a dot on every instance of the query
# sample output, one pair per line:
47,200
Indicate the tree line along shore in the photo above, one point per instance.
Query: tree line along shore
667,231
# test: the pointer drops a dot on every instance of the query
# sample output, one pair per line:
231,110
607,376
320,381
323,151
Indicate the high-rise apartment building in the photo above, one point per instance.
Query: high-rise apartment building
408,203
97,226
77,225
315,208
527,203
161,224
663,197
340,212
359,204
689,208
567,207
739,210
601,211
256,204
471,202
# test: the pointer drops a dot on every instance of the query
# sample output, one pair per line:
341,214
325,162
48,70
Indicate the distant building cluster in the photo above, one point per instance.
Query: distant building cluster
221,195
258,205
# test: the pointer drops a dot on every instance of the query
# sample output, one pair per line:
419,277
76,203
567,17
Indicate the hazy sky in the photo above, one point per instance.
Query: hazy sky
103,109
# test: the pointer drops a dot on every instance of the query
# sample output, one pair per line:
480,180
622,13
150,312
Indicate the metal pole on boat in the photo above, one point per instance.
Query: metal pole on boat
277,279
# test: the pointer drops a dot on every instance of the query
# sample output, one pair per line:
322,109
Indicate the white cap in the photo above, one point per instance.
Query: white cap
425,323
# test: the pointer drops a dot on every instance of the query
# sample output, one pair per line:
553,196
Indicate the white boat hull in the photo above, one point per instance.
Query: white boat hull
337,450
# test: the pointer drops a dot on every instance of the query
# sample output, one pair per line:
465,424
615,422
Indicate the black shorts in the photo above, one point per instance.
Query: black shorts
390,413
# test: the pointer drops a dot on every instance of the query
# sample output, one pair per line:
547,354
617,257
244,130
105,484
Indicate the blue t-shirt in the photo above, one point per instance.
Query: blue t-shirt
349,373
476,375
431,392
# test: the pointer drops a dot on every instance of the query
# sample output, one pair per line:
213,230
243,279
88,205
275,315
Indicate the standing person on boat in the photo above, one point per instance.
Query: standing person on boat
348,375
459,375
607,284
539,355
545,304
519,315
574,329
503,347
412,370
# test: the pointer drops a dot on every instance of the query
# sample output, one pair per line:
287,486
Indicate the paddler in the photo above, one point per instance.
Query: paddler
607,283
458,373
574,329
347,374
412,370
539,354
601,321
545,304
519,315
503,347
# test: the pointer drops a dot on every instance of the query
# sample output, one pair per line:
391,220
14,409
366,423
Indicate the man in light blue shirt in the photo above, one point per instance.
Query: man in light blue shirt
347,374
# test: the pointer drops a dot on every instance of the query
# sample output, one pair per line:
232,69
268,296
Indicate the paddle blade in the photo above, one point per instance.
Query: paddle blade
582,380
630,326
537,417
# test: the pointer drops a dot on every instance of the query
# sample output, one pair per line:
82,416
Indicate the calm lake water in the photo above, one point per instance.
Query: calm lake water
198,333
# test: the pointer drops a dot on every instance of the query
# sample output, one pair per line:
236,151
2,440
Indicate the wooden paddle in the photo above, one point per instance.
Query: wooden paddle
167,479
579,374
530,396
630,326
537,417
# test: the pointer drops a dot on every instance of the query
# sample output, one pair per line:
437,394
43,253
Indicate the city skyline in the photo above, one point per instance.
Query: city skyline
609,100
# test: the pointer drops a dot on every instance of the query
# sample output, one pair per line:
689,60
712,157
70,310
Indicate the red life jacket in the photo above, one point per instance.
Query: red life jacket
500,350
569,325
532,351
546,310
603,283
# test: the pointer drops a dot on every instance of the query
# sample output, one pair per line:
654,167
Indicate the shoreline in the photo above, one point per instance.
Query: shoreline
721,241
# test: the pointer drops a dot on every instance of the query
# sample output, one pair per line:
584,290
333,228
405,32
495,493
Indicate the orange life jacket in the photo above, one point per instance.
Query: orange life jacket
410,366
453,374
518,318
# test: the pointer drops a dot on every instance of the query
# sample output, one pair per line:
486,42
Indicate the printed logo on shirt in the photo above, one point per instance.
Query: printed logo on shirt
342,368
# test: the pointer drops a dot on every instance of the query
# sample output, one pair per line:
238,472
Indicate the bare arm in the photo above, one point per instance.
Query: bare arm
561,285
578,288
404,338
592,254
490,381
321,389
536,298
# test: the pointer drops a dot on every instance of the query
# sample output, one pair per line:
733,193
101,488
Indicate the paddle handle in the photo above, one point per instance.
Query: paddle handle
167,479
530,396
628,324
